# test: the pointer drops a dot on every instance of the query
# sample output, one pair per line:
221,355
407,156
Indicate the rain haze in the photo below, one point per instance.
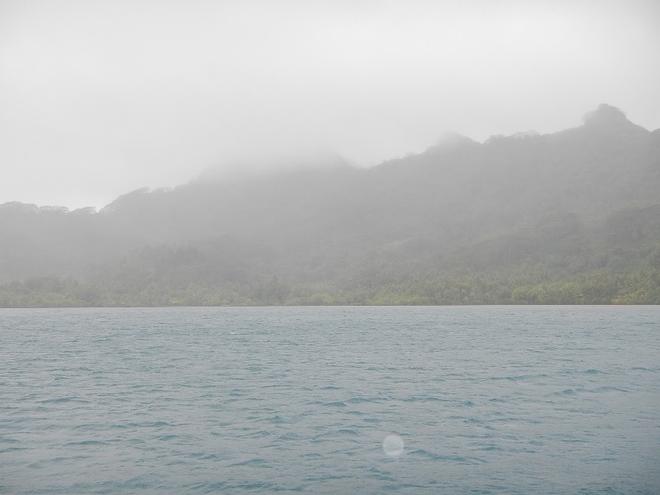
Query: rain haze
327,247
100,98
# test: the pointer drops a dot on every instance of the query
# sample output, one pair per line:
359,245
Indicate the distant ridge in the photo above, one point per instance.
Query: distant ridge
567,217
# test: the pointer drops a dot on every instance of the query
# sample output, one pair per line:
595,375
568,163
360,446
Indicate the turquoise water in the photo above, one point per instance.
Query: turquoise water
510,400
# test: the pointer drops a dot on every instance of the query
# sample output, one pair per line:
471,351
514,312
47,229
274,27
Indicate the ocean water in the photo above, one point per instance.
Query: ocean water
430,400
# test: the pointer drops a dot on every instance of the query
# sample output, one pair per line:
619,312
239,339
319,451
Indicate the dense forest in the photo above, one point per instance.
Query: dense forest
566,218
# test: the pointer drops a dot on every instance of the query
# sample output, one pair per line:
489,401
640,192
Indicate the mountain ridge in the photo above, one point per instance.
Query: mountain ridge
499,217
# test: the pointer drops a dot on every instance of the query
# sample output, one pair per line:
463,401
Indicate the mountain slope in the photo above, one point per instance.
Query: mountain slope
462,222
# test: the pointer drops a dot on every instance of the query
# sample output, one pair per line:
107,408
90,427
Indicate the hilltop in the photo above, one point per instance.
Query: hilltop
567,217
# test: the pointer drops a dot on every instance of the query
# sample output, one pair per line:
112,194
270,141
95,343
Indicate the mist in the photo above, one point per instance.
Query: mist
100,98
315,246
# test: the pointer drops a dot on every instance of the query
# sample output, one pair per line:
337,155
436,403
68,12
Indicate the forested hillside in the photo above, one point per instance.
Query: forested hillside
566,218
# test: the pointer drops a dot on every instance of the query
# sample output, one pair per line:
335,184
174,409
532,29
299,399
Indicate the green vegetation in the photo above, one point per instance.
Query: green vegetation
565,218
520,286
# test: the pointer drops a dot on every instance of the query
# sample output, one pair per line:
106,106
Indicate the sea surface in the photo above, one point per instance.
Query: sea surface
471,400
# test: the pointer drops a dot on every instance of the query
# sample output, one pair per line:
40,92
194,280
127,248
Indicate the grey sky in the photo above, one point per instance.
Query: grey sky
101,97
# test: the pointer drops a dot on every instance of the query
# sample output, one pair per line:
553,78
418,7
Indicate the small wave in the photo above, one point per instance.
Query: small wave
166,438
429,398
12,449
447,458
491,448
254,462
372,420
345,432
256,434
68,458
608,389
598,390
86,443
144,424
61,400
214,487
518,378
381,475
277,419
205,456
312,455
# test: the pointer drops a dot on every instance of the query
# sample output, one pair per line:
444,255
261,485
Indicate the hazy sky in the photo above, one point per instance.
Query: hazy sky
101,97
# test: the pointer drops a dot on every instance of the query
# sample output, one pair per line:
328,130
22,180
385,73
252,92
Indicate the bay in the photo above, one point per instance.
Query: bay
488,400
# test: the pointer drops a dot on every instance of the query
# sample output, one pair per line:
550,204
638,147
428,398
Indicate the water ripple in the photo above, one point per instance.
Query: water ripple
485,400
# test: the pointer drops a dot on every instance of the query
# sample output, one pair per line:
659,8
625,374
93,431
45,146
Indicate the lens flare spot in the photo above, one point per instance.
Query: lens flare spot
393,445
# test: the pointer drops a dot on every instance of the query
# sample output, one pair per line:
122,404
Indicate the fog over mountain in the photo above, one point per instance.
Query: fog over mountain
566,217
102,97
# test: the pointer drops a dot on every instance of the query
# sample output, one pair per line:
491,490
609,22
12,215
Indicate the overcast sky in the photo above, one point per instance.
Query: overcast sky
101,97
